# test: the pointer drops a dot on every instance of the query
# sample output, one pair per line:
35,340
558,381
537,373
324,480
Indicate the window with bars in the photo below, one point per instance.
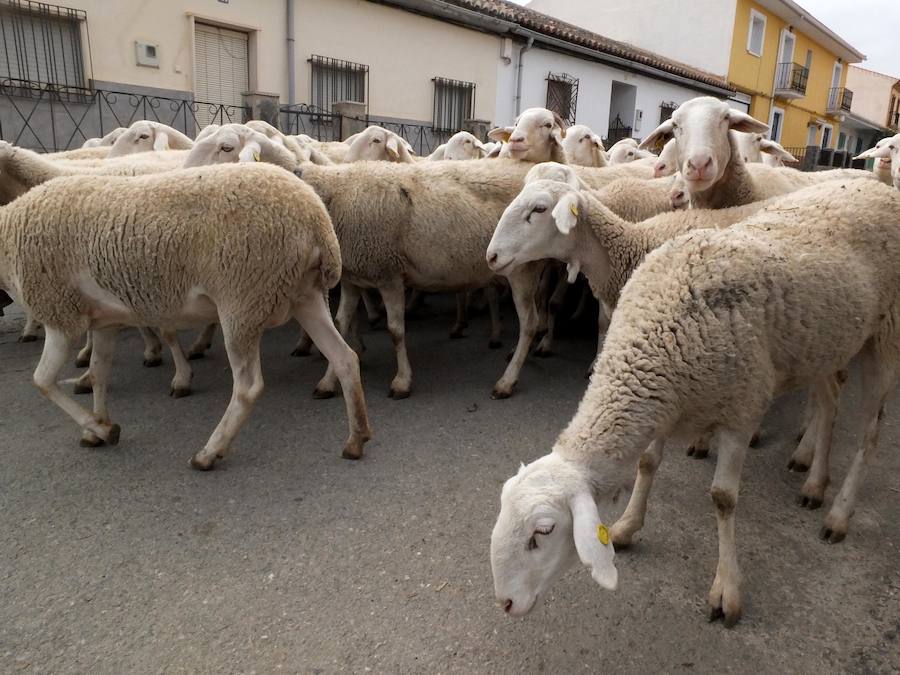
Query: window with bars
335,80
41,43
666,109
562,95
454,103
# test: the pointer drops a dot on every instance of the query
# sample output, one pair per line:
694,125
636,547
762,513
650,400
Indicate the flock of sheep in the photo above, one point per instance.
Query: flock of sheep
726,281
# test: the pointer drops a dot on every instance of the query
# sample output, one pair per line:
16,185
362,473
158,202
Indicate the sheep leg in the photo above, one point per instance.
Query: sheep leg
416,301
524,285
394,299
314,316
181,382
202,342
104,345
242,347
57,346
824,395
83,359
583,302
725,592
346,313
803,454
878,378
493,302
554,307
373,310
633,519
30,331
462,320
304,344
152,348
699,449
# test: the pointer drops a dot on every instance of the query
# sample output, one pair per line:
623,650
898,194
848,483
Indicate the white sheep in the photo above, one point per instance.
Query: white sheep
667,162
461,145
273,230
626,151
146,135
378,144
756,148
107,140
887,160
583,147
537,136
705,335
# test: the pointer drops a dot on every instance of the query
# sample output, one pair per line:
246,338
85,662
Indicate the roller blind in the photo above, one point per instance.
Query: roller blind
221,68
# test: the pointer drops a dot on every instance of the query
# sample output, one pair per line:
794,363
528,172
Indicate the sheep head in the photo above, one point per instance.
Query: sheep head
378,144
144,136
548,519
463,145
626,151
536,137
584,147
239,143
887,155
666,163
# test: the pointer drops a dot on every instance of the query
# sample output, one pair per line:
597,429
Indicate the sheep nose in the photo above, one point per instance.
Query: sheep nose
507,605
517,139
492,258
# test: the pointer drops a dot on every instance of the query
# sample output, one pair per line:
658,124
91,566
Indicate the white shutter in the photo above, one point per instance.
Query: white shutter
221,69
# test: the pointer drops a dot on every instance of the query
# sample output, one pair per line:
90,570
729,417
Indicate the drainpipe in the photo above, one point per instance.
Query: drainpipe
522,51
292,69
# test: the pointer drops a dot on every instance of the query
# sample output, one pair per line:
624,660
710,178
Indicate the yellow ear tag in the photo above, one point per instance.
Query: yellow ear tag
603,534
255,156
574,209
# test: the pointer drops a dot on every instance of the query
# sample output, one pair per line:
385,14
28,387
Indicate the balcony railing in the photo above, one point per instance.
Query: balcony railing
894,120
790,80
839,100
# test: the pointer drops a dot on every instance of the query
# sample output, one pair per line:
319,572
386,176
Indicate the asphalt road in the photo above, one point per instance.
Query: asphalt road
288,558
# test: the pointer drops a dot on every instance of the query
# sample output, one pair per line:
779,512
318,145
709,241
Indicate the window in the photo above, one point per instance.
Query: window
41,43
334,80
221,69
757,33
562,95
666,109
811,132
776,121
454,102
842,140
827,131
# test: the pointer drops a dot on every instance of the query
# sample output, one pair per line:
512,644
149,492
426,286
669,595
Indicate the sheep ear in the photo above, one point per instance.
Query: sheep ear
875,153
741,121
161,141
319,158
565,213
501,133
660,133
560,125
592,541
250,152
775,149
393,148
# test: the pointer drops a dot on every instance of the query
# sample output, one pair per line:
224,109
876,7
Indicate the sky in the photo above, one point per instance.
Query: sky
869,25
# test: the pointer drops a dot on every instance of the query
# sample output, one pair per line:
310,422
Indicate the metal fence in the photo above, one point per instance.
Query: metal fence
422,137
616,132
310,120
49,118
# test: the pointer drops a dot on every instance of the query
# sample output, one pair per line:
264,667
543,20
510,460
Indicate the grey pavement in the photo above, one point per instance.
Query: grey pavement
287,558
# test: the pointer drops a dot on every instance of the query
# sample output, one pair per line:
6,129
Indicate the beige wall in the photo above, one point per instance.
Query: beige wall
403,50
871,93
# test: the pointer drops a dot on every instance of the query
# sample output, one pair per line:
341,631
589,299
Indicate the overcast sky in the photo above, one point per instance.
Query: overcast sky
869,25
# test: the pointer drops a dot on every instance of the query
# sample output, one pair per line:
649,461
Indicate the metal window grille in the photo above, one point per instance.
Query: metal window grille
41,44
666,108
335,80
454,102
562,95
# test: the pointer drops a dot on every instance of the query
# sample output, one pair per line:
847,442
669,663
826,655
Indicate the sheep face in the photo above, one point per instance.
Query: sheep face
666,164
548,519
536,137
377,144
887,157
463,145
144,136
626,151
701,126
758,148
238,143
583,146
679,195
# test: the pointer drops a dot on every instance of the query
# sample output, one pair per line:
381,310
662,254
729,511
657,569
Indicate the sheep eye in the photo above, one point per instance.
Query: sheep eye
630,153
376,140
532,544
227,148
545,530
539,209
548,124
144,137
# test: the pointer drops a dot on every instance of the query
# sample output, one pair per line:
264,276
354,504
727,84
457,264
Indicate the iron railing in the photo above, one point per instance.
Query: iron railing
422,137
894,120
617,131
49,118
320,124
41,43
562,95
336,80
840,99
799,153
454,103
791,79
666,108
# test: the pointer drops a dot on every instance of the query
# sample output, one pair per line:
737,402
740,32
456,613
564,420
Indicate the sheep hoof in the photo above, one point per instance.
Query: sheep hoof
457,335
754,440
543,352
153,362
112,437
82,389
499,394
799,467
831,536
28,338
698,453
323,393
810,503
715,613
352,451
90,440
82,363
398,394
300,351
179,392
494,344
193,356
201,464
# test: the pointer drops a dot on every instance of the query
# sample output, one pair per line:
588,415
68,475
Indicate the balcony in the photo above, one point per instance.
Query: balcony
790,80
894,120
839,100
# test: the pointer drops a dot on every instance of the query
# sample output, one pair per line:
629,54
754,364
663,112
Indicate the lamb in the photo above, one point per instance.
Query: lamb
107,140
461,145
742,290
626,151
272,228
583,147
145,135
887,160
756,148
537,136
378,144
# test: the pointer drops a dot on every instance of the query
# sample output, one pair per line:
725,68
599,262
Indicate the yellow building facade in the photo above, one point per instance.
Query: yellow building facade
794,70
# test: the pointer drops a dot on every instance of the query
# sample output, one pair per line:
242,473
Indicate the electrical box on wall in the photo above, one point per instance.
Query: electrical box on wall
147,54
638,118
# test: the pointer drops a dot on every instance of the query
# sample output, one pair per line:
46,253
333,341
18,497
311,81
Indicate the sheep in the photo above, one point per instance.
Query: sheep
626,151
666,163
80,154
887,155
238,142
583,147
756,148
146,135
107,140
303,151
537,136
461,145
706,334
273,230
377,143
